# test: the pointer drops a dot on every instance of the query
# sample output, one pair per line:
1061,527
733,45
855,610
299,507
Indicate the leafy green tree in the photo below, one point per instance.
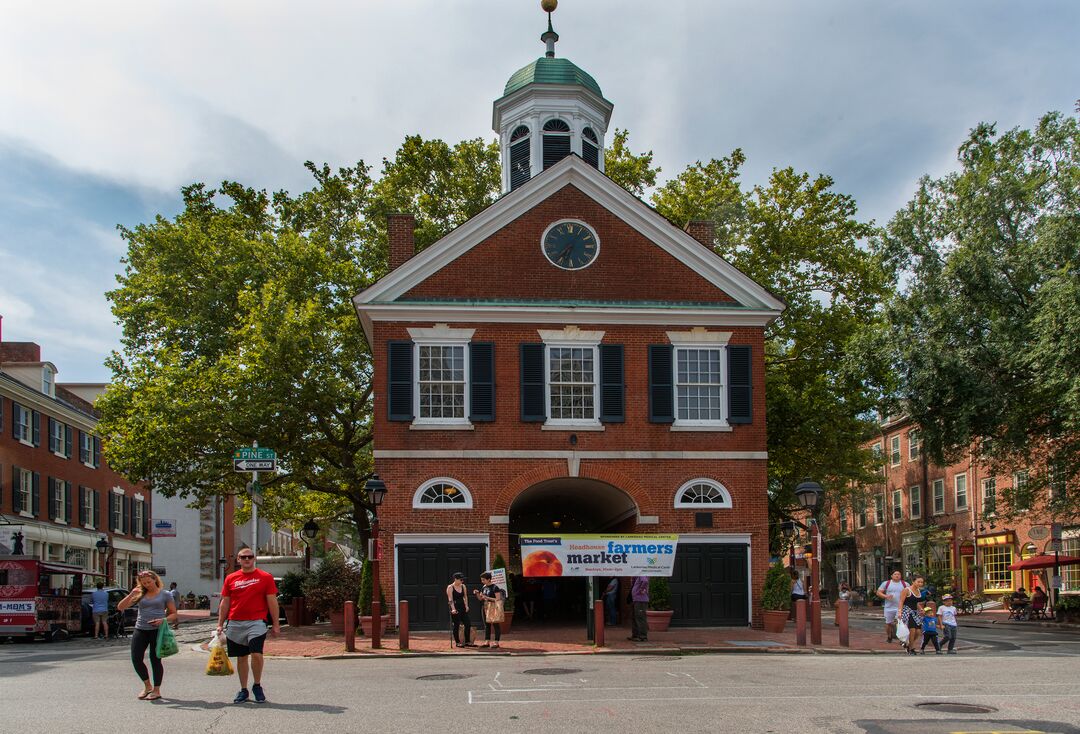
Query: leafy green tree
985,333
633,172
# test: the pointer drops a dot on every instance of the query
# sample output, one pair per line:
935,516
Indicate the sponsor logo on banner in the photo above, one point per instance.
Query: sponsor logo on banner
163,528
18,607
598,555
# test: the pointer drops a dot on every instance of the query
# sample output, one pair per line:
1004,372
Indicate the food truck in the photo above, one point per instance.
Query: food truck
33,604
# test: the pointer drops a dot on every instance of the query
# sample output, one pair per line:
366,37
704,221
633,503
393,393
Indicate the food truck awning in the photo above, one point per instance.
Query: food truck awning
64,568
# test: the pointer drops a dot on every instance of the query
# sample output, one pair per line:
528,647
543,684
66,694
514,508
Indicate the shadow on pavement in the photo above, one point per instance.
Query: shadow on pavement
193,704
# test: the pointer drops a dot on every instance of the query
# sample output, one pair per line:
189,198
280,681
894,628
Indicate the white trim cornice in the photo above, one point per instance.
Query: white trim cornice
587,455
441,332
570,333
699,336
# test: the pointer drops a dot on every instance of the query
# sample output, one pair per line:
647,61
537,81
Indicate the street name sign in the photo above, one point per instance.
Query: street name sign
254,459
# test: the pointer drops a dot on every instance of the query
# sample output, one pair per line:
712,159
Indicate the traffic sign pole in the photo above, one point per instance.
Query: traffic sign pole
254,508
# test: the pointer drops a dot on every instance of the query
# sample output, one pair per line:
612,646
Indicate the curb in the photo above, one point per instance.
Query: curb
675,651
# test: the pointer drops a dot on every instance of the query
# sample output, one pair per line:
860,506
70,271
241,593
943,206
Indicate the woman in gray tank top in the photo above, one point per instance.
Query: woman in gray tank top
156,607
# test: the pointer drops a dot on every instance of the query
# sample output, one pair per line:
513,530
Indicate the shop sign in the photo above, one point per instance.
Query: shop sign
163,528
598,555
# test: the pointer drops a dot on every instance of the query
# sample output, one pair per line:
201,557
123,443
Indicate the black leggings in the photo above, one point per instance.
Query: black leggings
140,640
498,630
461,619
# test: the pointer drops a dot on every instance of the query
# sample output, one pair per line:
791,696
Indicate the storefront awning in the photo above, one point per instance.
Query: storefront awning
64,568
1008,538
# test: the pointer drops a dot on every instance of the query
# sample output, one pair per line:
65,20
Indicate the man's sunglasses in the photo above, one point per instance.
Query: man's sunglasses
246,558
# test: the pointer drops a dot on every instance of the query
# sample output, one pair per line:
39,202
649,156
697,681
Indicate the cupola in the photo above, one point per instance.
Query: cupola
549,109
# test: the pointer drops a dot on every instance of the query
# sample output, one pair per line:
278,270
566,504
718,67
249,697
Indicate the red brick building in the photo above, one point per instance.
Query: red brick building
568,361
55,487
943,518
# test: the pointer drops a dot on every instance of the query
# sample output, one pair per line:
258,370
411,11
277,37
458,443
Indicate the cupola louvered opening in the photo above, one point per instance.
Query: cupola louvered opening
590,147
556,142
520,171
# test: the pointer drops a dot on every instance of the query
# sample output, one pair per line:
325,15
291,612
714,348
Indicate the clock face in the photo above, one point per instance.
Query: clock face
570,244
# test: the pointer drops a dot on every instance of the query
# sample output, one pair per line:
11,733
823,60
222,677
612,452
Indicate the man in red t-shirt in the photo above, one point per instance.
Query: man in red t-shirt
248,596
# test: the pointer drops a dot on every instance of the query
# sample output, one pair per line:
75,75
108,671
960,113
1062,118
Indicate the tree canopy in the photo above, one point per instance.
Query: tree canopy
985,328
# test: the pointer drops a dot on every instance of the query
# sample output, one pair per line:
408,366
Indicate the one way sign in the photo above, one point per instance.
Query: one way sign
254,464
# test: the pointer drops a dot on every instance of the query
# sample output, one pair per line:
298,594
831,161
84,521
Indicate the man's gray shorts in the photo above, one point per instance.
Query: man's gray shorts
245,637
890,614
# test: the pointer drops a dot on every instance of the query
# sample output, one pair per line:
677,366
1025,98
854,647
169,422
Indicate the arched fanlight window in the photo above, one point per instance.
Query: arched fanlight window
519,156
556,142
442,494
703,493
590,147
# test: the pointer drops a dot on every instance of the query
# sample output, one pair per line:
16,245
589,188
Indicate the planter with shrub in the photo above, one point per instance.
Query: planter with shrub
776,598
328,587
659,613
367,590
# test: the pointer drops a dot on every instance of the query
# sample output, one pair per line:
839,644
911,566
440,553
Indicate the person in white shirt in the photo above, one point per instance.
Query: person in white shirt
946,614
890,592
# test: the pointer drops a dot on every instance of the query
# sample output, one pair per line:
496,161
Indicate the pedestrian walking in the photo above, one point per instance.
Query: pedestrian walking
912,600
947,622
457,596
930,628
156,607
491,596
890,592
247,597
798,589
639,597
611,602
99,609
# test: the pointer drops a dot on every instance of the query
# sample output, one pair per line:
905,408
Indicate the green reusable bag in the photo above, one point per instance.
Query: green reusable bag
166,641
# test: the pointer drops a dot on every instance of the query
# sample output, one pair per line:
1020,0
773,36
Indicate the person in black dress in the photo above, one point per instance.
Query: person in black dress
457,596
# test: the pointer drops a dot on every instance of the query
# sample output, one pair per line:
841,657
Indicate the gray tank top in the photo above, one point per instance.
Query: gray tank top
151,608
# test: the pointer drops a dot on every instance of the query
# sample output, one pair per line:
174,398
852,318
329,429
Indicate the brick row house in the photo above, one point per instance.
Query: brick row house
55,487
568,361
944,518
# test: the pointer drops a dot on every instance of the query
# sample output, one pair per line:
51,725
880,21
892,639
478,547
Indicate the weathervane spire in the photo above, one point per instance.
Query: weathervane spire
550,36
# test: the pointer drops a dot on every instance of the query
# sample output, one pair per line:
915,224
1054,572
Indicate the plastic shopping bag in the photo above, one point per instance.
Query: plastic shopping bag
902,630
166,641
219,660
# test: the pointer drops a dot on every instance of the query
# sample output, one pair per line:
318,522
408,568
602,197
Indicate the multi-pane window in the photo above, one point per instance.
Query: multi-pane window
87,455
989,496
842,562
117,501
1058,489
868,574
1070,575
25,489
860,513
58,433
915,501
939,496
940,560
58,499
996,574
843,521
894,450
139,511
441,382
897,505
702,492
960,483
572,381
47,381
89,513
913,445
879,508
1021,492
22,418
699,385
442,494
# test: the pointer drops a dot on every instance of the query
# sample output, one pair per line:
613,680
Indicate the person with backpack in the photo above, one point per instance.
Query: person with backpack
890,592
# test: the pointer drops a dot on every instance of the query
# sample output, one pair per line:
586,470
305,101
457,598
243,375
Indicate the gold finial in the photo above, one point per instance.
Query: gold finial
549,5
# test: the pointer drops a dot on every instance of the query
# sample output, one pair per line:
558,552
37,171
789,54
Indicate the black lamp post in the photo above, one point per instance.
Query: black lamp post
376,492
808,493
103,547
307,534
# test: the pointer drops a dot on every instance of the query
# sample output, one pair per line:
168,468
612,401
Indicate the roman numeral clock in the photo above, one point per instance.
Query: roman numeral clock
570,244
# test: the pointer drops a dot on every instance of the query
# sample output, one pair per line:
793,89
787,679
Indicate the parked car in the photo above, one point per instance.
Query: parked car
115,595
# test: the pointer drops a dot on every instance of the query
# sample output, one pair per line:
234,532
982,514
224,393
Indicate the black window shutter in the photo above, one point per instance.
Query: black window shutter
1,413
99,522
146,520
67,441
740,384
400,380
97,451
16,414
54,511
16,490
661,383
125,513
67,502
482,381
35,418
35,494
110,511
2,486
532,383
612,384
53,446
82,506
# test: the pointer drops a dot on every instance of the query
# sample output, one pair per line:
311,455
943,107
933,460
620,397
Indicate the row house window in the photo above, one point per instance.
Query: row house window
1057,485
843,521
989,496
915,501
25,484
860,513
89,449
59,501
897,505
1070,575
26,425
879,509
996,574
60,438
960,484
1022,498
913,444
842,564
894,451
938,488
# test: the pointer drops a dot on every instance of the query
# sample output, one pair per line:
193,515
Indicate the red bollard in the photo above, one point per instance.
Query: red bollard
842,620
800,622
376,624
350,628
598,623
403,624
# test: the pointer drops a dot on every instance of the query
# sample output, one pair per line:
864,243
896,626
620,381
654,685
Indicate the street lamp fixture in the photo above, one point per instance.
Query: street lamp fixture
307,534
376,492
808,492
103,548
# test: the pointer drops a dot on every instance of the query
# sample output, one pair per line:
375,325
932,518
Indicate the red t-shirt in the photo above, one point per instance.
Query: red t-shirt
247,594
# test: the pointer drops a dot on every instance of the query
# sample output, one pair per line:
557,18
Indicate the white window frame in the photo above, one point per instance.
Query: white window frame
26,489
702,340
86,446
938,491
60,440
417,346
843,521
862,516
1057,487
419,494
879,508
894,450
24,418
990,483
723,504
47,381
960,479
915,501
59,495
913,444
843,570
572,338
138,510
897,505
90,508
116,517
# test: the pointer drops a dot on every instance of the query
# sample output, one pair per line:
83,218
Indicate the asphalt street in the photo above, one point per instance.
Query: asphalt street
88,686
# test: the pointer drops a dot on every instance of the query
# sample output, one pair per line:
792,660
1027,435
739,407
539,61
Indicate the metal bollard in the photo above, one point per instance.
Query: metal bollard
350,626
403,624
598,623
376,624
800,622
842,620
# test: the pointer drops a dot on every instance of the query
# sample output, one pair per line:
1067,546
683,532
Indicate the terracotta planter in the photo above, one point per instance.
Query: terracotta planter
775,620
296,611
658,621
337,622
365,624
508,617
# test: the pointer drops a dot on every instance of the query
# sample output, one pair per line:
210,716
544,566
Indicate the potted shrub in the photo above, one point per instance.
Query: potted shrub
658,615
291,597
776,598
366,593
508,601
329,586
1067,609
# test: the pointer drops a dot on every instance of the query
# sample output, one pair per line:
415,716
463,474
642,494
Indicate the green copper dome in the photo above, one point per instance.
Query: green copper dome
547,70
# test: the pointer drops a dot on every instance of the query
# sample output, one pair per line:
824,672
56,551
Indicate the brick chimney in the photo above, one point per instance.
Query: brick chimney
702,230
19,352
400,228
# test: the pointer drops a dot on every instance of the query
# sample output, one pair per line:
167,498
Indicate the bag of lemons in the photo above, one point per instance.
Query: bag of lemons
219,660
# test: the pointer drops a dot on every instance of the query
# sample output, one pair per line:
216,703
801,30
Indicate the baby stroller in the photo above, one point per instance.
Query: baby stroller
116,624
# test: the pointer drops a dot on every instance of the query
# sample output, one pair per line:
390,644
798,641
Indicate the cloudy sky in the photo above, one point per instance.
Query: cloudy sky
108,108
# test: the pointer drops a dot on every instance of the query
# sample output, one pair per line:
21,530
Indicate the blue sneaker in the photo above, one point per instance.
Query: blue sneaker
257,691
241,696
